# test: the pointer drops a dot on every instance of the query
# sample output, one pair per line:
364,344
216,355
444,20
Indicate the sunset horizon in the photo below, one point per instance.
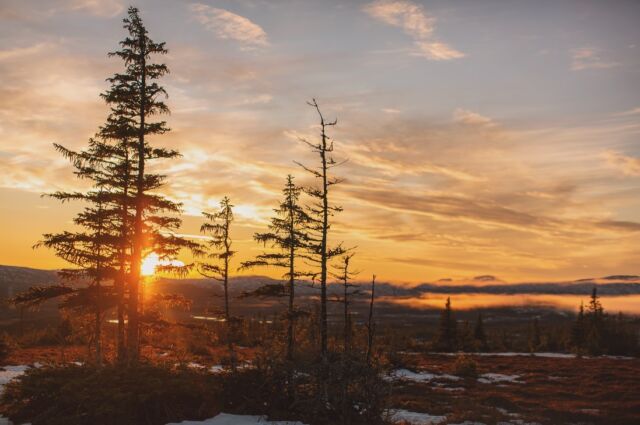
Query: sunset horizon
479,173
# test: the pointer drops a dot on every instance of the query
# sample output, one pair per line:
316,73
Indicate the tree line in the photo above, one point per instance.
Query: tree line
594,332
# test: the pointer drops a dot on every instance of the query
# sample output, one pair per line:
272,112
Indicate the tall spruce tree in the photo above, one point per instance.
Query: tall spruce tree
321,210
137,96
288,236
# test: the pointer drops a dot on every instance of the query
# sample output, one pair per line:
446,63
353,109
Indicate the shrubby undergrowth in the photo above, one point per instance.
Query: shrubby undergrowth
111,395
349,392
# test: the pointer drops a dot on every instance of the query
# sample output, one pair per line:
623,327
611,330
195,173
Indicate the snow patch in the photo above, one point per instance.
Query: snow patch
9,373
492,378
407,375
227,419
414,418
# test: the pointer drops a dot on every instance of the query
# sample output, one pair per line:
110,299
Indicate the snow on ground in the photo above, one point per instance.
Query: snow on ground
407,375
215,368
546,355
6,375
11,372
227,419
452,389
414,418
493,378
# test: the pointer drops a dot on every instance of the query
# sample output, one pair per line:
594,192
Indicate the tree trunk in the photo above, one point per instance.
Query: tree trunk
323,253
136,260
370,325
98,325
120,339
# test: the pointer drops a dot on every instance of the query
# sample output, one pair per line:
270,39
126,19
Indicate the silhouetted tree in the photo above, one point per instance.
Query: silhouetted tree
344,275
446,338
321,210
371,326
535,340
479,334
137,97
90,249
219,228
578,331
595,321
288,235
107,163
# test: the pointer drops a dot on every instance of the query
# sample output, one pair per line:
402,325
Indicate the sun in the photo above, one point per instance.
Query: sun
153,260
149,264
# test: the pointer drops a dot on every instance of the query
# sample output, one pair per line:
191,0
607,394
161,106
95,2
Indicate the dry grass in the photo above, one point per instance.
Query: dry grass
552,390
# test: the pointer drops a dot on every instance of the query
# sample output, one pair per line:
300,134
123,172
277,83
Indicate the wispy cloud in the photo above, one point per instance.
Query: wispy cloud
228,25
628,165
465,116
105,8
416,23
630,112
19,52
589,58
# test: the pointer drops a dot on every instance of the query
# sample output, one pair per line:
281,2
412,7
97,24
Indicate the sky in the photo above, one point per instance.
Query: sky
481,137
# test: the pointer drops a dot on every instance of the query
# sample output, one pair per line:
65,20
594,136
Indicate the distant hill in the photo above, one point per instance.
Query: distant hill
15,279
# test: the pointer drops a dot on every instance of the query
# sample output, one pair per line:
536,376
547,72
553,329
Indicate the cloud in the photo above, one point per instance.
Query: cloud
19,52
436,51
629,165
104,8
630,112
464,116
589,58
416,23
228,25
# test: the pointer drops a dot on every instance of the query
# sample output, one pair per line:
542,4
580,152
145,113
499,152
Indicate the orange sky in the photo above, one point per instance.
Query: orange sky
476,143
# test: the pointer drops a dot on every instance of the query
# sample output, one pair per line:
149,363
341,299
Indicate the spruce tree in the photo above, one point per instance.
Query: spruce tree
288,236
446,338
218,227
578,331
89,249
137,96
321,210
479,334
345,275
595,321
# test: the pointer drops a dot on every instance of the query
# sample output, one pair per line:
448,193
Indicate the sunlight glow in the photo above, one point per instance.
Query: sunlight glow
149,264
152,261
